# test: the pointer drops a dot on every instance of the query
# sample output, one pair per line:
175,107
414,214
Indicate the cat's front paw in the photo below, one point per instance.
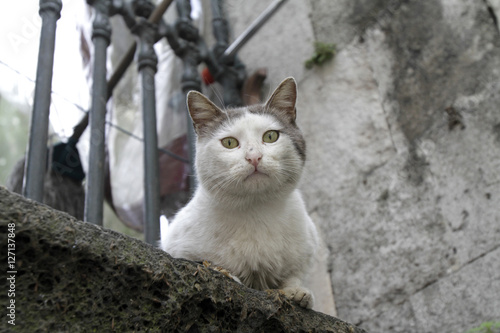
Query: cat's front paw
300,295
222,270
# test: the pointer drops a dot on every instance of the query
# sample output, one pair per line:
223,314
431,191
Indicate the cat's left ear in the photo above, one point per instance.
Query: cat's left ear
284,98
203,112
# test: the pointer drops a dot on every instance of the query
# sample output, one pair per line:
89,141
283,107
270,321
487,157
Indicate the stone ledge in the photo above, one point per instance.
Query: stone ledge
75,276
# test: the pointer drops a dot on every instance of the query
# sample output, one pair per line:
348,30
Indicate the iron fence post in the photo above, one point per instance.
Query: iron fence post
36,161
147,66
191,58
232,73
101,34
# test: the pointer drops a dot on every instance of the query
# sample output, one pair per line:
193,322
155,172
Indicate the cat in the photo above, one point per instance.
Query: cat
246,214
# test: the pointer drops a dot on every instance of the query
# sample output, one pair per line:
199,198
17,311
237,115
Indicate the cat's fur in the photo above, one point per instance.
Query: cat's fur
246,214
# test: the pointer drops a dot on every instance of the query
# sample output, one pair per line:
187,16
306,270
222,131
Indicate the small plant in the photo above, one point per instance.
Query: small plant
487,327
322,53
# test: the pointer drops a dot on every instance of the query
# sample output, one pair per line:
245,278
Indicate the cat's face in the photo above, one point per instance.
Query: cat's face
250,151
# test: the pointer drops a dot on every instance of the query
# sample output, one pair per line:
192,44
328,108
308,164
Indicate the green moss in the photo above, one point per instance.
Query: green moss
487,327
323,52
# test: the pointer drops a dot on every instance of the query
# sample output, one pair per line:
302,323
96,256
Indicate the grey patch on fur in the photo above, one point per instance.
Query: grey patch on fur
226,115
290,128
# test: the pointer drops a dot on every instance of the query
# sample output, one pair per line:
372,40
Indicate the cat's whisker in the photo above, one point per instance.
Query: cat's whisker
227,116
220,183
218,95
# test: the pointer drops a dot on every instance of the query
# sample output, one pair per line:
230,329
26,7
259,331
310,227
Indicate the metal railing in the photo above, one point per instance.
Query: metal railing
50,11
145,21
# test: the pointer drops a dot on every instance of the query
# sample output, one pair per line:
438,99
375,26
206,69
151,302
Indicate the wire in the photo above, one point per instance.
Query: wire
165,151
117,127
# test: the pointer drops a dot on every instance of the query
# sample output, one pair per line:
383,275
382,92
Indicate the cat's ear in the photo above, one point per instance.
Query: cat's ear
284,98
203,112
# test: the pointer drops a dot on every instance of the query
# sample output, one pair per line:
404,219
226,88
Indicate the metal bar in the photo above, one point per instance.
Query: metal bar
253,28
191,136
190,80
147,65
219,28
101,35
156,15
36,161
127,59
233,71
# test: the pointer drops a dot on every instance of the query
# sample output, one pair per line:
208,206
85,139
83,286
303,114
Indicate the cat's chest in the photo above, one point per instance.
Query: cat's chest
256,240
250,245
249,233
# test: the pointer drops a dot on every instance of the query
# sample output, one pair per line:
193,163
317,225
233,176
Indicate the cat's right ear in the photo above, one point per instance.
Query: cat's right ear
203,112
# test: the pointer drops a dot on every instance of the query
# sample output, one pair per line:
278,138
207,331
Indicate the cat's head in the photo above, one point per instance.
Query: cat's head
249,152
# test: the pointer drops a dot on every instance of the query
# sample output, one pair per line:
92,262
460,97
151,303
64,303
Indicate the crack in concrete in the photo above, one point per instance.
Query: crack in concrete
491,12
440,277
389,127
431,283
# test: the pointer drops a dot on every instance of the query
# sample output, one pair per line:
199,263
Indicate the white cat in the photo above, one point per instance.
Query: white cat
246,214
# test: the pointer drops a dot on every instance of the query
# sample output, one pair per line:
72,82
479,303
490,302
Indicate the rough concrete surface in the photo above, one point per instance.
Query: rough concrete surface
403,134
72,276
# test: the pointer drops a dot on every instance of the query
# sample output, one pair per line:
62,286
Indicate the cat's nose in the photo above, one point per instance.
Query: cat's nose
253,157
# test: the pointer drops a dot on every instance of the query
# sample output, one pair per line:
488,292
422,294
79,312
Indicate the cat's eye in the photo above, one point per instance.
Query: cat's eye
230,142
270,136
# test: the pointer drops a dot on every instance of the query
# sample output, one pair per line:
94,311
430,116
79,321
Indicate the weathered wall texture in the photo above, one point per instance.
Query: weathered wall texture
403,132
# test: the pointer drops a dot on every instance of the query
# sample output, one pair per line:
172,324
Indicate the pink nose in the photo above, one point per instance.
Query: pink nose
253,158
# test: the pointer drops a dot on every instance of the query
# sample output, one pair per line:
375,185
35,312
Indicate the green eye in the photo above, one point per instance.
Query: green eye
230,142
270,136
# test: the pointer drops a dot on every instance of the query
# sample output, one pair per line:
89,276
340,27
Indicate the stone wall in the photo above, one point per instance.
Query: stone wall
403,133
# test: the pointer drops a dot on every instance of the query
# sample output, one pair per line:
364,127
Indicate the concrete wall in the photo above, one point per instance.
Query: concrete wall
403,171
